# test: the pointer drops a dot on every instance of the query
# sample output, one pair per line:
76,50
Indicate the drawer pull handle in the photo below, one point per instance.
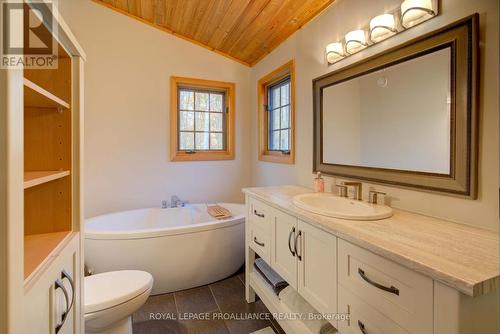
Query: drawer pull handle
391,289
261,215
362,327
295,246
290,240
59,285
261,244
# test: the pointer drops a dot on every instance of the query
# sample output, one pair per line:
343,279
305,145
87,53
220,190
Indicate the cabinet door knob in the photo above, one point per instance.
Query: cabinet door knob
290,240
390,289
59,285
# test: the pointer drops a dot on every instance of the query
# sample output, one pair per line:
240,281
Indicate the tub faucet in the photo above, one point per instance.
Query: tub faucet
176,202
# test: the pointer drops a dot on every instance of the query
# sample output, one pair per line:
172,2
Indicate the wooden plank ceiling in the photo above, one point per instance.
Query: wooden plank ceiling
244,30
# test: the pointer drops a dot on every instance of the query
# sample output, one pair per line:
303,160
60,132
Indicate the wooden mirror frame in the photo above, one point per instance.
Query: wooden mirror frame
462,37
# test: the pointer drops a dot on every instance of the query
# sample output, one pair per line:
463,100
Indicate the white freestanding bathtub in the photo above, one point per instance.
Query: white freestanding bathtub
181,247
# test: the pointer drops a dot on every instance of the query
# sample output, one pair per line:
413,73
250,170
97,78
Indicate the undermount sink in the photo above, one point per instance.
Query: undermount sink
326,204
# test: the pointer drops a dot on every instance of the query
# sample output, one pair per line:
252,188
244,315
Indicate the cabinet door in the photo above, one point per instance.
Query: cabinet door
283,258
317,279
45,303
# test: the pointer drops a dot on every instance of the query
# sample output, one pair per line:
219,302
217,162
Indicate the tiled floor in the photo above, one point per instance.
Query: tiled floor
223,301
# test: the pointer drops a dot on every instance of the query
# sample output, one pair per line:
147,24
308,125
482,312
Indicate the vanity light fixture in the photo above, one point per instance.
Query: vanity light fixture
416,11
334,52
381,27
405,16
355,41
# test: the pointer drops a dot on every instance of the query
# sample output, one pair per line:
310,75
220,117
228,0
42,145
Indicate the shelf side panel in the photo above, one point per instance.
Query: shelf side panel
47,207
47,139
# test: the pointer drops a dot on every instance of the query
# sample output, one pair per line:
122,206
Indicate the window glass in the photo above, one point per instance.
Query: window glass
186,100
279,116
201,120
186,141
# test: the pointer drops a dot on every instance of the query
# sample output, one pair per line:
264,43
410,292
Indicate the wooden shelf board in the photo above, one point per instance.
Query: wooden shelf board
38,249
35,178
36,96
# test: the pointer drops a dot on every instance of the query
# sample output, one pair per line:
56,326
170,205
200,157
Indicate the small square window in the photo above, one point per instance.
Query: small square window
202,120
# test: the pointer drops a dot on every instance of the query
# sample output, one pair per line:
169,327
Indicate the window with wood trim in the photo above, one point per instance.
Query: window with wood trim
202,120
276,92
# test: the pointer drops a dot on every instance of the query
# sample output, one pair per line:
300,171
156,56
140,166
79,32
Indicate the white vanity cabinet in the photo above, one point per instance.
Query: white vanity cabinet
384,275
297,251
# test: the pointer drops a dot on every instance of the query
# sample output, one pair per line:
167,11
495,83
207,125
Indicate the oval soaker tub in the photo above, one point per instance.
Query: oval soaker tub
181,247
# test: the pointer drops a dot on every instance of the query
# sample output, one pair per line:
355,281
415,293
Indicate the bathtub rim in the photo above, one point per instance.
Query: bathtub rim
93,234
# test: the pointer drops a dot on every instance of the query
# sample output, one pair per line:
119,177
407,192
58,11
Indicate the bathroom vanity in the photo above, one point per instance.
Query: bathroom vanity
408,273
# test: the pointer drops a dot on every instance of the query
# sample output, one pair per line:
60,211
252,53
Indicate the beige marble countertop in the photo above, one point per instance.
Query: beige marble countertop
460,256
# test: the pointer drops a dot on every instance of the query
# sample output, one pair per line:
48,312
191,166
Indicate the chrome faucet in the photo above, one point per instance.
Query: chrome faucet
358,189
342,190
373,196
176,202
164,204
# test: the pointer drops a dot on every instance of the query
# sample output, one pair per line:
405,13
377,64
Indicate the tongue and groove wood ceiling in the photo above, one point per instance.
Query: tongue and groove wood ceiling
244,30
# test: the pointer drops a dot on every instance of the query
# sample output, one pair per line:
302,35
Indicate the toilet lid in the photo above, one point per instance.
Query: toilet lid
112,288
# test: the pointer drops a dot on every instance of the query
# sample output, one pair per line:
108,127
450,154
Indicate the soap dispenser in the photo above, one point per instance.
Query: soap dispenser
319,183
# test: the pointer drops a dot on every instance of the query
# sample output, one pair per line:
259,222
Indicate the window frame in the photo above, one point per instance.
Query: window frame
269,80
228,88
271,108
194,91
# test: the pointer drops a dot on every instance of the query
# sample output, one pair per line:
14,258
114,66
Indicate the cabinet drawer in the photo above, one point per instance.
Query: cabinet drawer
363,318
260,243
400,294
260,215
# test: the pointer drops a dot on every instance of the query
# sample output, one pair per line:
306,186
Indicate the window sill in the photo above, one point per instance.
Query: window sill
277,157
202,156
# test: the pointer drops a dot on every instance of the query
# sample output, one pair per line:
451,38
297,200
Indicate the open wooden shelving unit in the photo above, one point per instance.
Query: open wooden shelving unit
48,162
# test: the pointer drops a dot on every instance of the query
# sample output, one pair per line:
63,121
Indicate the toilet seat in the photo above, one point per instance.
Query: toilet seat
106,290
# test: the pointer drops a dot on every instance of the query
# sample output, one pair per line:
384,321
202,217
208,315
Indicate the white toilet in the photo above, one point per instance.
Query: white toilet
112,297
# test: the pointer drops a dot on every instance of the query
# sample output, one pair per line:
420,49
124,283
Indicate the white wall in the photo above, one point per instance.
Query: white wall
307,47
127,113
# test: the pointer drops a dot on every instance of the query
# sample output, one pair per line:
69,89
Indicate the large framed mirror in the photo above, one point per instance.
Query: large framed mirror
406,117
